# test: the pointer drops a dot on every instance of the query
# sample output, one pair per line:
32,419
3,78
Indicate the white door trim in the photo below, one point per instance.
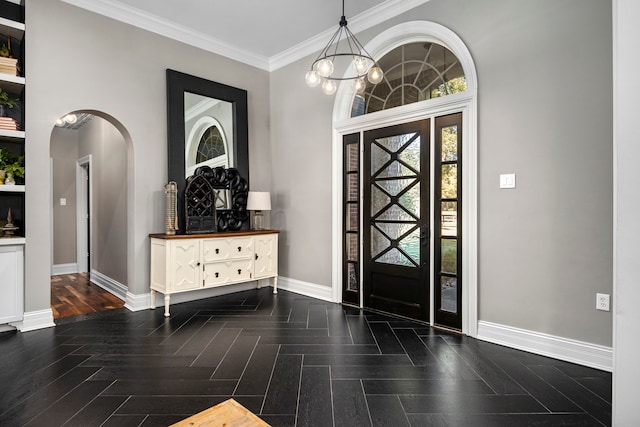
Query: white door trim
465,102
83,230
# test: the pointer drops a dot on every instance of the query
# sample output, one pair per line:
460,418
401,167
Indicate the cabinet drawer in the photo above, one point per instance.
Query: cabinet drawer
221,273
227,249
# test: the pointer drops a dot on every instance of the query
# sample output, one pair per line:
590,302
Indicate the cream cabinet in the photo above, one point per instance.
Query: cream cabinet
11,285
182,263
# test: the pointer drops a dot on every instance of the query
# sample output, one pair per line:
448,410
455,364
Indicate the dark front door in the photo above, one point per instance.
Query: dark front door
396,219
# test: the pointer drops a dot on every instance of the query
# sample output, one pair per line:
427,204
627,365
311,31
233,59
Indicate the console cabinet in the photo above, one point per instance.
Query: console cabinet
182,263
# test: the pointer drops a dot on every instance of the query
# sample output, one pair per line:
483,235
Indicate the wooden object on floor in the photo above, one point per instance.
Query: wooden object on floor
226,414
73,294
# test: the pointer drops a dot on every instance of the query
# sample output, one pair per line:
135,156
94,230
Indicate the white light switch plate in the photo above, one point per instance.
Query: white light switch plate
508,180
63,202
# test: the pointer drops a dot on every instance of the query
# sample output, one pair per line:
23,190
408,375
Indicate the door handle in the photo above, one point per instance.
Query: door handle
424,235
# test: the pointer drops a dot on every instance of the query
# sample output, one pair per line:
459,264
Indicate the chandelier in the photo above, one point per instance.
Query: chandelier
363,64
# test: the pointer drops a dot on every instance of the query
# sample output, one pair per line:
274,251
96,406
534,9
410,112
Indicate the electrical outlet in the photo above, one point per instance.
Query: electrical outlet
602,302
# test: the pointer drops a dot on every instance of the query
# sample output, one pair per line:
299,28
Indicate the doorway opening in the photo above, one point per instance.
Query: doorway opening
90,166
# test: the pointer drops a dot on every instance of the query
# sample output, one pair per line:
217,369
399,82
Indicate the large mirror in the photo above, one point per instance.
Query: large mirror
207,126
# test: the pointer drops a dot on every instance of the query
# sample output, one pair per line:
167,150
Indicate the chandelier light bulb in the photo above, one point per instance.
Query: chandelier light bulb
59,122
70,118
359,85
312,78
325,67
360,65
329,87
375,75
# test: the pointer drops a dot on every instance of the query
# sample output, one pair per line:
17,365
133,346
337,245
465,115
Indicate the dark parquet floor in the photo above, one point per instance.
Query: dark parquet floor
292,360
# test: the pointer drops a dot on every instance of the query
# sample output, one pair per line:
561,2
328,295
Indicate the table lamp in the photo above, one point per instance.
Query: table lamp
258,201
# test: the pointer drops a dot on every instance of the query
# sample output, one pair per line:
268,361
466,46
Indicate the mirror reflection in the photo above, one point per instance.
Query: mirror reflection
208,125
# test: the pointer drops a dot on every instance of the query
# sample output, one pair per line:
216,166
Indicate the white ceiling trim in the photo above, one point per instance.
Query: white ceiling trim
115,10
358,23
141,19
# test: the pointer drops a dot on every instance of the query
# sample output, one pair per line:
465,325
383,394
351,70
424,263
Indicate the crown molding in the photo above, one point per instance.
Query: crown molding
138,18
358,23
115,10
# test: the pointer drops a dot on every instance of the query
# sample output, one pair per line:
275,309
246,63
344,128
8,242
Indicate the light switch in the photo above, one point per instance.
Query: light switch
63,202
508,180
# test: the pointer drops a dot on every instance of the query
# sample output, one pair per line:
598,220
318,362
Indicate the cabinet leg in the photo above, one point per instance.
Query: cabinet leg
153,299
275,284
166,305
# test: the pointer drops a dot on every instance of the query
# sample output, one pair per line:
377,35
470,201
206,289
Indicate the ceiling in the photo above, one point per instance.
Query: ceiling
265,34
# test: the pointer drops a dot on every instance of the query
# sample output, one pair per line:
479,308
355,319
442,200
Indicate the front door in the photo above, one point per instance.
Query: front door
396,216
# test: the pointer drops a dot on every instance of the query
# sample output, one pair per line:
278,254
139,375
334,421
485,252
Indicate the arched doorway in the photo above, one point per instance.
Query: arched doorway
89,192
350,137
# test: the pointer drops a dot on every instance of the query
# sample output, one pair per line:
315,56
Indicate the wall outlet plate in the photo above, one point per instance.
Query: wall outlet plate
508,180
602,302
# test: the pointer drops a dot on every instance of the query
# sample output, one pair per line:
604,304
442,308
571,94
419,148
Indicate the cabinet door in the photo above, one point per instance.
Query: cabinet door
185,254
11,285
266,258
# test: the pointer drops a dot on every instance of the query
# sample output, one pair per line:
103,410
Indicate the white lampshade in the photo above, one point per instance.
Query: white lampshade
259,201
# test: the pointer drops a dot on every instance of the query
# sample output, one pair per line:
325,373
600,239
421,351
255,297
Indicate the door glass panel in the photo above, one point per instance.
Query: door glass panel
411,154
378,242
411,245
394,256
449,255
395,231
395,186
449,219
352,188
379,200
395,213
352,217
352,158
396,142
450,181
411,200
352,247
448,294
396,169
450,143
379,158
352,278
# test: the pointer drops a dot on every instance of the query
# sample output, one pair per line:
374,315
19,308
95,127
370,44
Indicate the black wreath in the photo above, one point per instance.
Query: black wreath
221,178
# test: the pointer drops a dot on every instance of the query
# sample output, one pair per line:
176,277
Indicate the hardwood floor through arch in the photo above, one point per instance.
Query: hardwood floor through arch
73,294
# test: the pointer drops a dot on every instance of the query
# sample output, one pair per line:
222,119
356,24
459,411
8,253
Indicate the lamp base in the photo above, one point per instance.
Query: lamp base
258,220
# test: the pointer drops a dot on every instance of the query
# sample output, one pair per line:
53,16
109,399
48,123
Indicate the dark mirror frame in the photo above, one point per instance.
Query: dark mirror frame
177,84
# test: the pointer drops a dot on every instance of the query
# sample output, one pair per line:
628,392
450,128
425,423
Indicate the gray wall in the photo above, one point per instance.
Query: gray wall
544,110
64,152
120,70
108,151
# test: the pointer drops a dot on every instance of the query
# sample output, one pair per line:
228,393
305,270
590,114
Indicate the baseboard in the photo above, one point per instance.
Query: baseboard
312,290
108,284
70,268
582,353
34,320
136,302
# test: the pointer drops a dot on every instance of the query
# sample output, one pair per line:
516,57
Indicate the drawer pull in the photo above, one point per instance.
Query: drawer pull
217,251
239,248
239,271
198,263
256,256
216,274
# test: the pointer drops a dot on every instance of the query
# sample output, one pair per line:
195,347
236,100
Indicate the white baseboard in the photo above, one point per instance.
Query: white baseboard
136,302
582,353
108,284
34,320
312,290
70,268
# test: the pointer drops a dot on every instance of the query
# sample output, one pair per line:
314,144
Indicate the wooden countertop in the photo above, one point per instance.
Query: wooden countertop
210,235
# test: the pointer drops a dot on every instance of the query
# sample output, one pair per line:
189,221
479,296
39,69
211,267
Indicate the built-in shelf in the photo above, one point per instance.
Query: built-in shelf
12,28
12,134
12,241
11,83
9,188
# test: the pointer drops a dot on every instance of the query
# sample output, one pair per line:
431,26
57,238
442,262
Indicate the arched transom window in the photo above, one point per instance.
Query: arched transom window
413,72
211,145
